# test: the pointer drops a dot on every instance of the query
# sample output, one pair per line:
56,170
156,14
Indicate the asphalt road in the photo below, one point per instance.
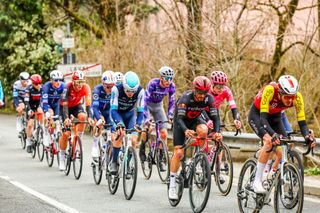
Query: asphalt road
28,185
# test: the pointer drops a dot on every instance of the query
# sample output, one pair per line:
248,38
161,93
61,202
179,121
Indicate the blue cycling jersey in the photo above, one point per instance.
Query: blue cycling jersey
50,95
1,93
101,101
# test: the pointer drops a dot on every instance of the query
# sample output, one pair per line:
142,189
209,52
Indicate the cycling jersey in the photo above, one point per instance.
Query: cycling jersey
226,95
155,94
100,102
19,92
1,93
71,98
122,104
32,98
51,96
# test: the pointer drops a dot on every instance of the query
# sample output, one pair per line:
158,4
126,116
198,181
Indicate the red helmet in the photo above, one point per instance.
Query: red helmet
78,75
201,83
219,77
36,79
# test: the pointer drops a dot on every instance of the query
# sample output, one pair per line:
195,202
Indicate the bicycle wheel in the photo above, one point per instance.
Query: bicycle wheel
162,159
77,158
245,193
200,182
130,169
40,146
34,148
57,147
97,169
49,155
23,137
147,164
179,188
294,158
289,193
68,158
224,170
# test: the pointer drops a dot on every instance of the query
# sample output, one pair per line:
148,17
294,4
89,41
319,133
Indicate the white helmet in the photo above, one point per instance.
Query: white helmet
24,76
108,77
166,72
131,81
119,77
288,85
56,75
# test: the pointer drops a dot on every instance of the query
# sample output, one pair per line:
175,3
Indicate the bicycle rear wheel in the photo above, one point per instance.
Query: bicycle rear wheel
130,173
77,158
97,169
40,146
224,170
246,201
34,148
162,158
49,155
23,137
147,164
200,182
289,192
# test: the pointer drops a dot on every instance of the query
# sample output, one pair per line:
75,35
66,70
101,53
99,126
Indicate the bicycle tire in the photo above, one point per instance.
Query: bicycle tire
57,147
294,177
228,171
201,181
68,157
294,158
23,137
146,165
34,148
97,168
49,155
164,175
128,193
40,146
243,185
77,158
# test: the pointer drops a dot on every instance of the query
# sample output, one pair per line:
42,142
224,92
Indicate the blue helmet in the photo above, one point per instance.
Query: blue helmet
131,81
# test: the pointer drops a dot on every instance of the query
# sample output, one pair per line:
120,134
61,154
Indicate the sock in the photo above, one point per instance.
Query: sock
28,141
259,172
267,167
95,141
80,134
172,180
115,153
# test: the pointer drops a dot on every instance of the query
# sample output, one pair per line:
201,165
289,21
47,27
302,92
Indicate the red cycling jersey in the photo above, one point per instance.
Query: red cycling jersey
73,98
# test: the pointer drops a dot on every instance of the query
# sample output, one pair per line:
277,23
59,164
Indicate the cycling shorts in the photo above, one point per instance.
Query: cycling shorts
106,115
73,110
128,119
158,113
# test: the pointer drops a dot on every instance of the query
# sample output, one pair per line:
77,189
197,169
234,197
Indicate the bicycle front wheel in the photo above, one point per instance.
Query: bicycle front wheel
49,155
23,137
246,200
162,158
200,182
224,170
288,194
130,173
147,164
97,169
77,158
40,147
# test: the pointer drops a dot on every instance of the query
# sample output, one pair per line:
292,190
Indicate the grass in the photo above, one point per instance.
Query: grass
312,171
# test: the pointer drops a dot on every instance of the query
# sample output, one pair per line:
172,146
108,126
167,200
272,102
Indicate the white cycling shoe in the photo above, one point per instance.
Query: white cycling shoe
173,194
258,188
62,163
95,151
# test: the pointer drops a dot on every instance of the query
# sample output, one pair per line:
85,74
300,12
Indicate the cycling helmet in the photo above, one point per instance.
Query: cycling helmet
219,77
119,77
166,72
131,81
78,75
24,76
56,75
288,85
201,83
108,77
36,79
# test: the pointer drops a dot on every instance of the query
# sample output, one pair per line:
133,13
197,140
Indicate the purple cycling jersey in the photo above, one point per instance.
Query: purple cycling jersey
155,94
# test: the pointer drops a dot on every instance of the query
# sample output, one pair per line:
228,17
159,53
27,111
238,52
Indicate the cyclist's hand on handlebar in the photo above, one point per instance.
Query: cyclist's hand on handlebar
30,112
138,127
170,120
48,115
210,124
237,123
190,133
217,136
67,122
275,139
91,121
310,140
100,122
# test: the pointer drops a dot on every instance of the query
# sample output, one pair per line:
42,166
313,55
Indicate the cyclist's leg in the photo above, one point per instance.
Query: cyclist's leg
96,135
256,125
82,116
116,146
20,107
63,144
29,132
129,120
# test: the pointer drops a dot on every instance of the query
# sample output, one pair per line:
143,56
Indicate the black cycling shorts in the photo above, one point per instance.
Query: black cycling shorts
73,110
273,119
178,133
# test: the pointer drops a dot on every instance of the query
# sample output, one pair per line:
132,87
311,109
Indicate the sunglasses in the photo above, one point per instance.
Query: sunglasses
79,82
57,80
200,92
218,86
168,78
130,91
108,86
288,97
36,84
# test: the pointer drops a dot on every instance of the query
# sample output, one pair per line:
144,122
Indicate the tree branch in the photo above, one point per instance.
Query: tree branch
301,43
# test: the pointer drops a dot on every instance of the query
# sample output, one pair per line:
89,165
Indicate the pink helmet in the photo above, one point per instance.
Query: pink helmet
219,77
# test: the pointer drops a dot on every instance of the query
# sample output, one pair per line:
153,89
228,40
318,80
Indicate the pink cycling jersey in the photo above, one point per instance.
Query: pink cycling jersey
226,94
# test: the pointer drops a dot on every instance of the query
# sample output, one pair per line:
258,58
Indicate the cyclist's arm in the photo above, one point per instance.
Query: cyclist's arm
267,95
299,106
1,93
214,115
140,107
232,104
44,98
148,92
95,103
171,97
64,101
115,105
182,112
15,94
27,99
88,100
